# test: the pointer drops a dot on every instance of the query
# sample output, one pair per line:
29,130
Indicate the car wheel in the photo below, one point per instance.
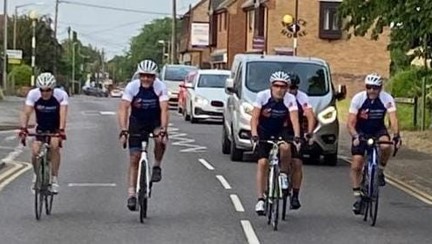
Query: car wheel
192,119
179,110
236,154
226,144
331,159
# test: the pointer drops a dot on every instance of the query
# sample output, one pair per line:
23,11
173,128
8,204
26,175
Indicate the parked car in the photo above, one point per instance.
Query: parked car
183,91
172,75
206,95
250,75
116,92
94,91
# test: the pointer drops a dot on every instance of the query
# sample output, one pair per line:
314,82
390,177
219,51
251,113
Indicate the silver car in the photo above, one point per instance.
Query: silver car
206,95
250,75
172,75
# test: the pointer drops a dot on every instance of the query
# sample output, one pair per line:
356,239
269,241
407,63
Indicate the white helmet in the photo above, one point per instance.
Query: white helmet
280,76
46,80
147,67
373,79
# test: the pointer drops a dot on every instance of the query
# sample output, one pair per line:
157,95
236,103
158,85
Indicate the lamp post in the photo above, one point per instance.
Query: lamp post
293,22
34,18
165,54
5,45
16,18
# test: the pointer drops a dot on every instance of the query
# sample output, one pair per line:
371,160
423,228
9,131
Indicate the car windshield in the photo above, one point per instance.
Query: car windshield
313,77
212,81
177,73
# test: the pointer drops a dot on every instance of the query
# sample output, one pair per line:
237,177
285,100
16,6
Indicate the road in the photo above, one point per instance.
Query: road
194,202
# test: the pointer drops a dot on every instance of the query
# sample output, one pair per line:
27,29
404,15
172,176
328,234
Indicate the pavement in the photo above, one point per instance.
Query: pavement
202,198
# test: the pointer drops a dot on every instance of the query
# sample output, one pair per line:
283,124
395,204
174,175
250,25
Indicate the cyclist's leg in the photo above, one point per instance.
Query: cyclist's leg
356,174
263,150
297,177
385,151
36,147
55,162
134,155
159,150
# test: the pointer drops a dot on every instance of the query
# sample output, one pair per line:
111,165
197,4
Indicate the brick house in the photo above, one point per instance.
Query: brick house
319,36
227,32
189,53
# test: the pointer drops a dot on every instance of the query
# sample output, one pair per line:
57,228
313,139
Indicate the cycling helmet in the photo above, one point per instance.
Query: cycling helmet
147,67
280,76
373,79
46,80
295,79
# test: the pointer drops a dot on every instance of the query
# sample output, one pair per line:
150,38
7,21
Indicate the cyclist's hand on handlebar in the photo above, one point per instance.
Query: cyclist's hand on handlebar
62,134
255,139
123,137
297,143
397,141
308,138
356,140
22,134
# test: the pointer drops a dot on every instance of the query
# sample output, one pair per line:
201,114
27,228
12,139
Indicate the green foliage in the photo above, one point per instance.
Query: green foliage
21,74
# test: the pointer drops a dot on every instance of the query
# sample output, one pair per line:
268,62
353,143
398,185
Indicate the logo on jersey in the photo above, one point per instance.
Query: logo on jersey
266,112
389,105
46,109
137,103
145,103
364,114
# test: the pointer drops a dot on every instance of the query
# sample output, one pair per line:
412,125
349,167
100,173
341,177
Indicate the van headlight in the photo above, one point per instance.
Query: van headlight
246,108
169,93
201,100
327,116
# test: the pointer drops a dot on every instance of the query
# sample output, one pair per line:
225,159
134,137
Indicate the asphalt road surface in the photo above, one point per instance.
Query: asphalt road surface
202,198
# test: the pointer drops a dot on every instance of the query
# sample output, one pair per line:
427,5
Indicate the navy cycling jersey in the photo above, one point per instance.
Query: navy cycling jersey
47,111
274,113
145,101
371,113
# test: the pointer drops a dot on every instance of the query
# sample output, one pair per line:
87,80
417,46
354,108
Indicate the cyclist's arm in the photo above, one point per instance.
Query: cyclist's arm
163,101
352,115
63,110
255,121
295,122
391,110
309,114
25,115
123,113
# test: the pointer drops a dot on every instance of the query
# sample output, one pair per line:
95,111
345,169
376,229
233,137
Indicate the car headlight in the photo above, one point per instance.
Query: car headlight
169,93
328,115
201,100
246,108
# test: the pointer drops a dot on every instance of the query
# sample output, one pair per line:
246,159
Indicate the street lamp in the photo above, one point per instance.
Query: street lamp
294,21
16,18
164,49
34,17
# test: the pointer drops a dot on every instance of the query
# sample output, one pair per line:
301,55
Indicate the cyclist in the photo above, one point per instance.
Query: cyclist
304,111
147,98
366,119
50,105
271,108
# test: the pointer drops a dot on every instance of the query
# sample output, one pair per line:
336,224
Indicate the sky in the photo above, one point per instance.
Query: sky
107,29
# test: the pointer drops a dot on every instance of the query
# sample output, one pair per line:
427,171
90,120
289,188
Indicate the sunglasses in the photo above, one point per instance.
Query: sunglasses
147,75
45,90
280,86
372,87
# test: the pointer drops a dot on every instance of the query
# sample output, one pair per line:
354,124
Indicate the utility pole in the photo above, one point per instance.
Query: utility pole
55,36
174,33
5,38
295,39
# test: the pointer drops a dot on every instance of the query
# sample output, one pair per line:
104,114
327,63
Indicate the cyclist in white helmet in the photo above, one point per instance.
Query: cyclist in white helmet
271,109
50,105
366,119
147,98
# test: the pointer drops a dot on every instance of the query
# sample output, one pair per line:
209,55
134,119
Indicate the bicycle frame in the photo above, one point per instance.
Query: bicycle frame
274,170
144,159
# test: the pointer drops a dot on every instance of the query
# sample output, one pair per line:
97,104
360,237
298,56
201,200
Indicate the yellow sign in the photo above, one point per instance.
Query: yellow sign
14,61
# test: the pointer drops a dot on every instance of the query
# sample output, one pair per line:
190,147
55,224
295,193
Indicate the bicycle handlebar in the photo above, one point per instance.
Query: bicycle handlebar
150,135
23,141
373,141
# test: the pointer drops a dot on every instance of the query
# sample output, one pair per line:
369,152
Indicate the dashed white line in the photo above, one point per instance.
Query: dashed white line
249,232
237,204
92,184
206,164
223,181
107,112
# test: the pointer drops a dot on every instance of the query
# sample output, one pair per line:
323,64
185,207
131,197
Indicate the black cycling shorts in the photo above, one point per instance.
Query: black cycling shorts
263,149
143,129
361,148
40,130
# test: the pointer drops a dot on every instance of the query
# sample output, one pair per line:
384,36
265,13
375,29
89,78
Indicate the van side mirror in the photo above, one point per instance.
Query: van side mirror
341,92
229,86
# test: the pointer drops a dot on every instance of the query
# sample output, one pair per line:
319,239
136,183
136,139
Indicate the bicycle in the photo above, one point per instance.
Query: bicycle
274,190
144,184
42,187
369,184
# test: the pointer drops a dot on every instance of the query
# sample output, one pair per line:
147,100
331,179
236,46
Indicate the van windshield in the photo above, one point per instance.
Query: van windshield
313,77
178,72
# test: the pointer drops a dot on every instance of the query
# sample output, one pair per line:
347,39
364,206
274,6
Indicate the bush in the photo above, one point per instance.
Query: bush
22,75
407,83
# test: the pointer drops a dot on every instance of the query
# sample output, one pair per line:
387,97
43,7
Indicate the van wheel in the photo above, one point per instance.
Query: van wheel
180,110
226,144
236,154
185,115
331,159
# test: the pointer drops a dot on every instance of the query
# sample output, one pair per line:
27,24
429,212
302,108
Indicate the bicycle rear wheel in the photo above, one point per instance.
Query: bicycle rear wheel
49,198
142,198
38,192
276,197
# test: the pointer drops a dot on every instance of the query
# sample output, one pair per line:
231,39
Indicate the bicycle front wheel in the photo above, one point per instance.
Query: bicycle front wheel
142,198
38,192
374,196
49,198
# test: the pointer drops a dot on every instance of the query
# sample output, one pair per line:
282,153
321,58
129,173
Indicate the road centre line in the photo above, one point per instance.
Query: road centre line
223,181
206,164
92,184
237,203
249,232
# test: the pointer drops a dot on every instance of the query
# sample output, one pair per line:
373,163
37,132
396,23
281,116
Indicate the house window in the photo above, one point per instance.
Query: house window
213,30
259,20
225,20
219,16
330,27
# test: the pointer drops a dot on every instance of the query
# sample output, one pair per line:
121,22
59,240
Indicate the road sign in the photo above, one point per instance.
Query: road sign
14,56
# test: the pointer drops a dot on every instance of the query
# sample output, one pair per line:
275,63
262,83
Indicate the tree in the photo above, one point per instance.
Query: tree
21,74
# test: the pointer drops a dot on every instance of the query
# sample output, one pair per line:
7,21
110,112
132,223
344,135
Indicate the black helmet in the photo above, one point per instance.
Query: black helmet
295,79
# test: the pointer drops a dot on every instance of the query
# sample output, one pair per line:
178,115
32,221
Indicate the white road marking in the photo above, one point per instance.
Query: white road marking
180,139
206,164
93,184
17,169
194,149
11,138
107,113
223,181
249,232
90,113
6,148
12,155
237,204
